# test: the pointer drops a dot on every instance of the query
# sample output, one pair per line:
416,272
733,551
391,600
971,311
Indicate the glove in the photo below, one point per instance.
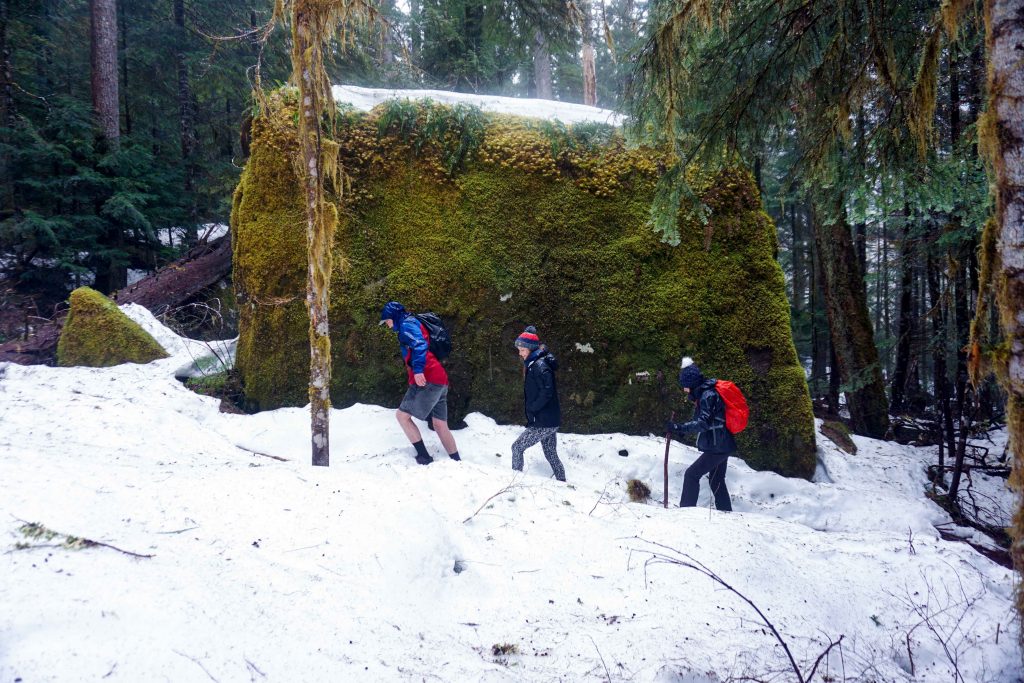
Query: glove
671,427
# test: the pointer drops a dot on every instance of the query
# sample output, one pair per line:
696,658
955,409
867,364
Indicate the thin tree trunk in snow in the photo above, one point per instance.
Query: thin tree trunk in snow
104,69
317,283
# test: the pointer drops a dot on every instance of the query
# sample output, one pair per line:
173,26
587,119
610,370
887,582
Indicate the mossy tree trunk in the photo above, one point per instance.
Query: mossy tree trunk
306,50
850,324
1003,134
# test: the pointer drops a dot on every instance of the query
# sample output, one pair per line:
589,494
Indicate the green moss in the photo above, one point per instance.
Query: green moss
563,229
97,334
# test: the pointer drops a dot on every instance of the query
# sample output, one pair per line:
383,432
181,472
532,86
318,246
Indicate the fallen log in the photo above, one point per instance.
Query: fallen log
203,266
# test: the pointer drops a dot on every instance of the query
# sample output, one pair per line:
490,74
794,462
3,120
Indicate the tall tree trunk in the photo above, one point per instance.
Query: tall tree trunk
798,260
186,121
473,34
1004,39
850,325
7,110
7,113
110,276
589,69
819,358
945,438
121,11
319,232
105,100
904,333
415,30
541,66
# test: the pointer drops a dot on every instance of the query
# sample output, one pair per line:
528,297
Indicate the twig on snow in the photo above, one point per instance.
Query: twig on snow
608,676
265,455
512,485
198,663
682,559
252,667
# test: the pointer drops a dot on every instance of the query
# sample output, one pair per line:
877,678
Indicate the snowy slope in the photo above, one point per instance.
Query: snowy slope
378,569
365,99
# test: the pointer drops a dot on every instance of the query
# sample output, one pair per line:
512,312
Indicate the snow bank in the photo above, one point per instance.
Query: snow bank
365,99
379,569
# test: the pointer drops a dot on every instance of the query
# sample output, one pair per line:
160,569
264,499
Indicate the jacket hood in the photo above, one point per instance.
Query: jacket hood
698,391
393,311
545,355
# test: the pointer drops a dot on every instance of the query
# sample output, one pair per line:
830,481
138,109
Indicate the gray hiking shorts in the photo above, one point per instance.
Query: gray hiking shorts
428,401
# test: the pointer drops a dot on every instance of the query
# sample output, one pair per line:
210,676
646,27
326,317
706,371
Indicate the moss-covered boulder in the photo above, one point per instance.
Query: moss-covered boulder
496,222
97,334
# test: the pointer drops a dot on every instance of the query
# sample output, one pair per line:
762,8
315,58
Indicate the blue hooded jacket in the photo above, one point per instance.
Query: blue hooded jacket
413,346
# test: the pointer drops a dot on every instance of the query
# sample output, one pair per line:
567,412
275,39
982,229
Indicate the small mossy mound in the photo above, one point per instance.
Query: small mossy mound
97,334
496,222
638,491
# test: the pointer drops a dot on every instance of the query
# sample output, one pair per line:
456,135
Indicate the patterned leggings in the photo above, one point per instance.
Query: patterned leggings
547,437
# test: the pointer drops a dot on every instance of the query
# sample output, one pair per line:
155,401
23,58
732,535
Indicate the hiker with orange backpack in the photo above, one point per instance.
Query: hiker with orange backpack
715,438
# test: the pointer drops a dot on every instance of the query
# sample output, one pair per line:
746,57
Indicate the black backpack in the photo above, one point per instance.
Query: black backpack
440,339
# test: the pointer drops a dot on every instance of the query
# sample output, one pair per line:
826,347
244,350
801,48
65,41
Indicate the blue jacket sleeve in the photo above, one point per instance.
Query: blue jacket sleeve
411,337
547,390
704,419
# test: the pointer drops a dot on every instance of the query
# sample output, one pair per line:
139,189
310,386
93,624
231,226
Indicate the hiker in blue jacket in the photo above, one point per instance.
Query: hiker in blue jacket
714,441
540,394
427,395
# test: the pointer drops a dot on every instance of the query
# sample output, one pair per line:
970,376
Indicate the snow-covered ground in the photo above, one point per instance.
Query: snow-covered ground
365,99
263,568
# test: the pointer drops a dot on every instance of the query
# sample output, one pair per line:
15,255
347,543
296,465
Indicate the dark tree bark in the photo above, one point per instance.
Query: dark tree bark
819,356
798,260
901,372
186,120
121,11
105,100
541,66
850,324
946,437
7,110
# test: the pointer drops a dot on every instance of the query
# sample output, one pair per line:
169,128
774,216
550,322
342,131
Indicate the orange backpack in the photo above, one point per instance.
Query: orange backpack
736,411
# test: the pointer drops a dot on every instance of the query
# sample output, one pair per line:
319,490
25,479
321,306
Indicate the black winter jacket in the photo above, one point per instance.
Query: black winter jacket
540,390
708,421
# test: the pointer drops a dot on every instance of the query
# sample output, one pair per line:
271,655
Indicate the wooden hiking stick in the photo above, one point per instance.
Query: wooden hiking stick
668,442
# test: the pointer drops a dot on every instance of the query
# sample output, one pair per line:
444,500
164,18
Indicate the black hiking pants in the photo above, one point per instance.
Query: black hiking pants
713,465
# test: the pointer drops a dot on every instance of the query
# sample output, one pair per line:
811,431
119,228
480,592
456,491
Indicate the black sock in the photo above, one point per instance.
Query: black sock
454,456
421,449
